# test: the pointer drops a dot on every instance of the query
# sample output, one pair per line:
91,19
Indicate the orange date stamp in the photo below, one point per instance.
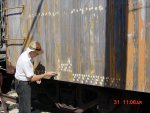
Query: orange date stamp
128,101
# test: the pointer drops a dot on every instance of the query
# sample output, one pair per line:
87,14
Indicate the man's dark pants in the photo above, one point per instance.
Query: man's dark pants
23,90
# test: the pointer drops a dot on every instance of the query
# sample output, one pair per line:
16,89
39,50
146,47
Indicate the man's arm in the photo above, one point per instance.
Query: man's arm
39,77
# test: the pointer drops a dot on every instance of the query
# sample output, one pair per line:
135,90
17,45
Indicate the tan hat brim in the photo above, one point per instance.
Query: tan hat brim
38,52
29,50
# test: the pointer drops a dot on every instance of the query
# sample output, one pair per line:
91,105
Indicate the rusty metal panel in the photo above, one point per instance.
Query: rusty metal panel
96,42
147,40
138,42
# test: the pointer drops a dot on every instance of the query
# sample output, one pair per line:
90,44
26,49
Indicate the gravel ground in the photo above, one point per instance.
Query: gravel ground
13,107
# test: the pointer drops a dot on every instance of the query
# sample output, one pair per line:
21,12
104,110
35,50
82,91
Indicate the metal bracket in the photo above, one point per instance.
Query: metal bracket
5,9
7,39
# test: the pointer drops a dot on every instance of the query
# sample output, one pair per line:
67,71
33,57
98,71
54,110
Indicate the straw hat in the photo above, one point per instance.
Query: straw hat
35,46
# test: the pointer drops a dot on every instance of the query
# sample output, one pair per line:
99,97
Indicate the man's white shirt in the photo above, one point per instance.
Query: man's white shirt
24,67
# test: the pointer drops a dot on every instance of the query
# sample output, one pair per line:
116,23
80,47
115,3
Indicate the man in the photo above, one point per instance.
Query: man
25,74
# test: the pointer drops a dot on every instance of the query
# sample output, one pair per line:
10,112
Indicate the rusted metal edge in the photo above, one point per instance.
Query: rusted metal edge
5,9
7,39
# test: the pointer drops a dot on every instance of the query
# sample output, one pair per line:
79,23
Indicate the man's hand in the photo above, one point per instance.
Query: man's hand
50,74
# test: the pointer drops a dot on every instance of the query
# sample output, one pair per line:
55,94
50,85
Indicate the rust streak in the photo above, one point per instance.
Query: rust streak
142,49
130,49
